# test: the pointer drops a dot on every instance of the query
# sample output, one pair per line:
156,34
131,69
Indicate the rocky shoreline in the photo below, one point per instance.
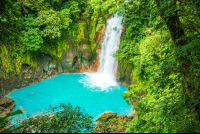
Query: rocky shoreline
6,106
110,122
72,61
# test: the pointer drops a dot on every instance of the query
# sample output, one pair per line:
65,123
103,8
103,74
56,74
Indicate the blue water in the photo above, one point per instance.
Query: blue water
66,88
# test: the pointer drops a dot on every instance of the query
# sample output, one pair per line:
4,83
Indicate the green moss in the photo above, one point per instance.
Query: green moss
107,116
113,120
84,61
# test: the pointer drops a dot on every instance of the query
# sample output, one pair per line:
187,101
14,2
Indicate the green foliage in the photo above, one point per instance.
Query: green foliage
6,61
51,21
161,45
4,121
62,119
31,37
102,10
103,127
113,120
65,18
32,28
122,124
32,40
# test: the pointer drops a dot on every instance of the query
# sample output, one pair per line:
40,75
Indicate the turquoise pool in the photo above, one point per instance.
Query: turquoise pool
36,98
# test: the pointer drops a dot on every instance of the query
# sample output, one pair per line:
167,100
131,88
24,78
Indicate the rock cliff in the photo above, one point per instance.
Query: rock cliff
73,60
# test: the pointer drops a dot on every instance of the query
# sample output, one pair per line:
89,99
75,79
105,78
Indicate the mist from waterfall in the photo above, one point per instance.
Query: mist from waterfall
105,77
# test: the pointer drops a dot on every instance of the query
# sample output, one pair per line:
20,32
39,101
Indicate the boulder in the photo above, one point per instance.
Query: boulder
35,74
52,65
85,52
11,106
67,61
77,65
45,61
30,71
5,102
36,117
2,114
6,106
54,72
49,72
27,76
25,70
46,66
2,108
106,116
60,70
66,65
44,76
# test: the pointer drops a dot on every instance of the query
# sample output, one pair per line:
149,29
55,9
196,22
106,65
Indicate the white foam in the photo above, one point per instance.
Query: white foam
102,81
105,77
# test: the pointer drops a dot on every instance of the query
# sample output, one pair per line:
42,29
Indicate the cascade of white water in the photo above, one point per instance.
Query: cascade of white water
109,46
105,77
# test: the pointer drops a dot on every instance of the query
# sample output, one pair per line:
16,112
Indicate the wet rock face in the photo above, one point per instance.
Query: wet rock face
67,60
52,65
72,61
85,52
6,106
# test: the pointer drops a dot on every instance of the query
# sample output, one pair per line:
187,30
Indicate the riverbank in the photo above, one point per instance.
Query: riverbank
110,122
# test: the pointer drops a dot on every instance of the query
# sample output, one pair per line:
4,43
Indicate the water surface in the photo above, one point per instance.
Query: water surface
66,88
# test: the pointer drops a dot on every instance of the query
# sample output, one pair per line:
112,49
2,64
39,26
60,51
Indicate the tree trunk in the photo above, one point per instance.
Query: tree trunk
177,34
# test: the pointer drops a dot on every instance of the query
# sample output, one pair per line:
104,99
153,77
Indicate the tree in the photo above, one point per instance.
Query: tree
161,46
169,12
62,119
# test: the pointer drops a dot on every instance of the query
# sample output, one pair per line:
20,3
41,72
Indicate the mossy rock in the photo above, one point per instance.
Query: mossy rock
84,61
66,65
106,116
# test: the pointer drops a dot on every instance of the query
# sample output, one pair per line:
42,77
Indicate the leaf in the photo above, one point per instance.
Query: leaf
192,11
6,131
11,114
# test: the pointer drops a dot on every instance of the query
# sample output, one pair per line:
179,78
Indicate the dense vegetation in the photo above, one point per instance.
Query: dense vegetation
60,119
32,28
161,46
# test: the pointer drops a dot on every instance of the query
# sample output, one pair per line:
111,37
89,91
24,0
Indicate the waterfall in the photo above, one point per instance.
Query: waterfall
105,77
109,46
